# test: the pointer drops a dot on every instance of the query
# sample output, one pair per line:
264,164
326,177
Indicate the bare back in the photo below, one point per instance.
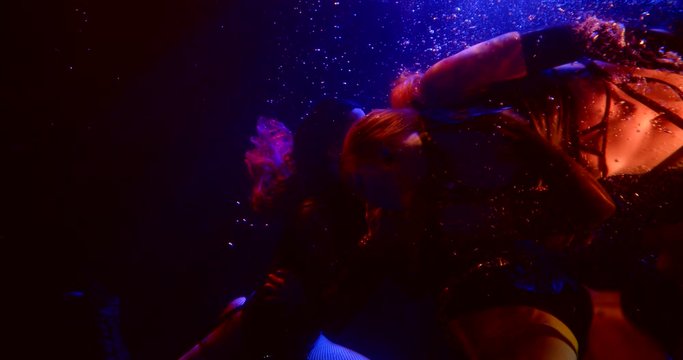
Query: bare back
615,120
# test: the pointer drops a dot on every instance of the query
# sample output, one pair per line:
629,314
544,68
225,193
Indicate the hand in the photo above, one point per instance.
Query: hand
282,287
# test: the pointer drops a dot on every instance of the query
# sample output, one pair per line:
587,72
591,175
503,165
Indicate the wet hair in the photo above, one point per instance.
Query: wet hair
310,156
378,136
612,42
269,161
405,90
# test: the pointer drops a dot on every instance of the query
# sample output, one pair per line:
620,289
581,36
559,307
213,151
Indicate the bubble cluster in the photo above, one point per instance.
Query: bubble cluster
354,49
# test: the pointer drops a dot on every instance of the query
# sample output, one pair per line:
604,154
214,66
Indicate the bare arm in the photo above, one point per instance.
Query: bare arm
471,71
456,79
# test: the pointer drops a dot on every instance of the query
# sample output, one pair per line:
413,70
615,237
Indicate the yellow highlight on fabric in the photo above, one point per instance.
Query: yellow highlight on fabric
544,318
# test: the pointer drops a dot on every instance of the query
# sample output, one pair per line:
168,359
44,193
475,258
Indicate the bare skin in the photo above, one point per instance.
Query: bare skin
514,332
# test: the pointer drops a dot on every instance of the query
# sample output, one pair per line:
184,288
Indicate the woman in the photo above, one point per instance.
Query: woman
474,205
478,204
619,113
301,186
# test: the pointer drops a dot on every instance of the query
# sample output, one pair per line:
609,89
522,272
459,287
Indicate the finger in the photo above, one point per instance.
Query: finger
276,280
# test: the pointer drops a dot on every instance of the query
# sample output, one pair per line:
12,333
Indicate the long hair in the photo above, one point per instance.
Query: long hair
269,161
405,91
308,161
378,136
612,42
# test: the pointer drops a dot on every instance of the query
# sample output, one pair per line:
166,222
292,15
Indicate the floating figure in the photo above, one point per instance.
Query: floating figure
469,206
297,180
490,223
618,112
491,188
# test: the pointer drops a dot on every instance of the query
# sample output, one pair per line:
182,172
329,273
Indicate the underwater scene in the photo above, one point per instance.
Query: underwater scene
346,179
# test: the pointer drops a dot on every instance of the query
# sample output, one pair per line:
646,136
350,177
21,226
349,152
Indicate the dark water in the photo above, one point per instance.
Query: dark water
124,126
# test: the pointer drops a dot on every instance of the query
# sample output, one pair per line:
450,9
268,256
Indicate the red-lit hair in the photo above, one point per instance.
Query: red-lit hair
270,161
406,90
378,135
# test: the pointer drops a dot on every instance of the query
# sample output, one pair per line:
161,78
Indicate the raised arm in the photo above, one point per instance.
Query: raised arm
457,79
471,71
